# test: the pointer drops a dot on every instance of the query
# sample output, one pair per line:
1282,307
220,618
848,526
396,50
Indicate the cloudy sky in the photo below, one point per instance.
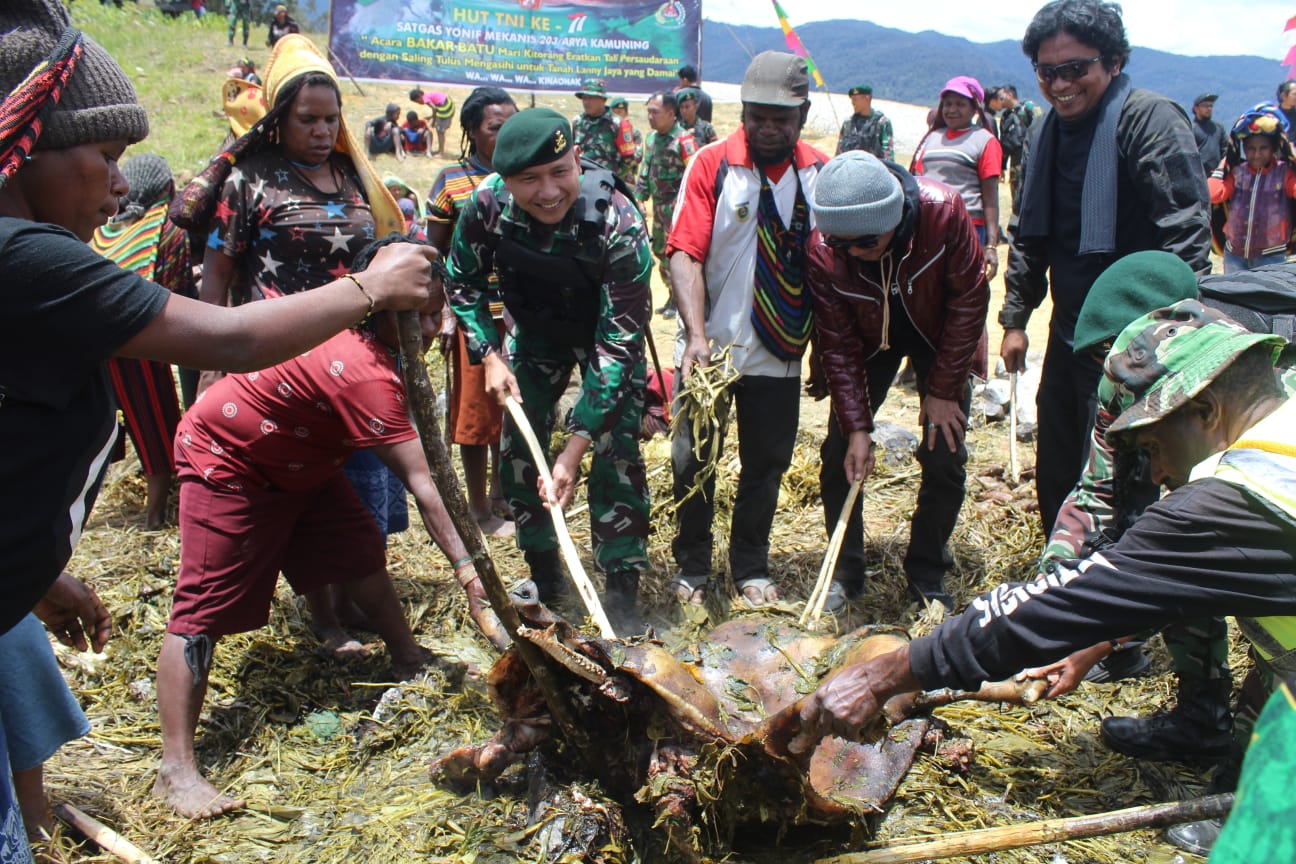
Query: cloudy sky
1180,26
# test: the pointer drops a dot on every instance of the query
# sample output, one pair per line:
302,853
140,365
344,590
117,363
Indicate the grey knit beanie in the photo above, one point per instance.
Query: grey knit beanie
855,195
99,102
149,177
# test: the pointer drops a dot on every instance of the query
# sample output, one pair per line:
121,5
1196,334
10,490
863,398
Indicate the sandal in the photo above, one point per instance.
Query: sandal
758,591
690,590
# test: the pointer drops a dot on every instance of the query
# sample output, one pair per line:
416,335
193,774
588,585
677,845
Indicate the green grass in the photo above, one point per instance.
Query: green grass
178,66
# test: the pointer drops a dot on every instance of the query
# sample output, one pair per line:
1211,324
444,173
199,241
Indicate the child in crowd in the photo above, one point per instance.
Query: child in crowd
416,135
1253,190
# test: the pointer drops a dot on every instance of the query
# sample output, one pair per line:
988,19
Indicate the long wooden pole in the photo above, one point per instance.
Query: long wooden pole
422,402
584,587
985,840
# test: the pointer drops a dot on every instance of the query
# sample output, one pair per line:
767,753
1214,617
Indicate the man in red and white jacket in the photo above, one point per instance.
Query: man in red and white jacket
737,260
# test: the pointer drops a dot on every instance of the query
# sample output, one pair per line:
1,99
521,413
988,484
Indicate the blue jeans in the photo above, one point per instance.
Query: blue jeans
1236,263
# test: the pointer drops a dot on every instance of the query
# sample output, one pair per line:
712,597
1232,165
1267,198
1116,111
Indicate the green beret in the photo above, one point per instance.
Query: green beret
684,94
536,136
1129,289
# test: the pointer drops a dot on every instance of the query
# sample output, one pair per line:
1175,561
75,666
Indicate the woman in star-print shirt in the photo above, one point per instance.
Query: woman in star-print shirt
291,216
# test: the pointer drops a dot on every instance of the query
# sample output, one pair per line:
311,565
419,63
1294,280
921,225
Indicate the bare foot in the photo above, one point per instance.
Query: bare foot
188,793
341,644
155,521
493,526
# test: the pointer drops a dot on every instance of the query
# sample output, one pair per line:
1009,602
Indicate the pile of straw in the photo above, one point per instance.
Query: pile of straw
336,771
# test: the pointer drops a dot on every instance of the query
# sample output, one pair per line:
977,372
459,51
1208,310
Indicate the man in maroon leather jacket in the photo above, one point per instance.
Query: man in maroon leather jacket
895,270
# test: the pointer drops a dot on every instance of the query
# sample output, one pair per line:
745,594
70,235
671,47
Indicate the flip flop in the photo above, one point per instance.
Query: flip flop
758,592
690,590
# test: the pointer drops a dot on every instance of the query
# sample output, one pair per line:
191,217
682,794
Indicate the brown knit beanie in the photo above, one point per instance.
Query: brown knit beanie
99,102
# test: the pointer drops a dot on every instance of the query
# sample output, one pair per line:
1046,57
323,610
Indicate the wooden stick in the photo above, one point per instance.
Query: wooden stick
652,352
1013,472
422,401
111,842
337,62
815,603
584,586
985,840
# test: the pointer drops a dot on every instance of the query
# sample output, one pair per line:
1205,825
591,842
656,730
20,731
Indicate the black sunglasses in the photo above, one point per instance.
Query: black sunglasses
865,242
1072,70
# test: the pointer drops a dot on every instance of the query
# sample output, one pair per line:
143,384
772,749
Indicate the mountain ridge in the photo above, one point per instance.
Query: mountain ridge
850,52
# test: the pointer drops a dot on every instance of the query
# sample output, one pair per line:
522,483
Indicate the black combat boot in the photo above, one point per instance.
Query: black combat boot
620,602
1199,727
547,574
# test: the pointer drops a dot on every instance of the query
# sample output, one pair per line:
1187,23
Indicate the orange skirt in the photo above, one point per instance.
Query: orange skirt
475,418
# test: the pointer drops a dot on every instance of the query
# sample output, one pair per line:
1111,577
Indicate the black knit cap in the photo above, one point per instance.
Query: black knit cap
99,103
149,177
536,136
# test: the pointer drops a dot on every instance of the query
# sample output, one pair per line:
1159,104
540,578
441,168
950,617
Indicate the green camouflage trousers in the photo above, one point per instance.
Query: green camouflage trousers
659,232
618,485
1198,649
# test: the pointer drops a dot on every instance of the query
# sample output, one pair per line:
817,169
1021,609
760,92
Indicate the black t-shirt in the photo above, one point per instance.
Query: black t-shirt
1209,548
63,311
1072,274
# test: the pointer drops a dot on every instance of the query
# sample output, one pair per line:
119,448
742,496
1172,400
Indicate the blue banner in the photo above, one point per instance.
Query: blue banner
634,46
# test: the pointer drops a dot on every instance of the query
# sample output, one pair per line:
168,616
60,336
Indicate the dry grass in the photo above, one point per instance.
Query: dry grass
293,730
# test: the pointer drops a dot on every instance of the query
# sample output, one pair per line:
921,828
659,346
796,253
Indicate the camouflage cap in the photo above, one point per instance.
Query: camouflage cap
592,87
1167,357
536,136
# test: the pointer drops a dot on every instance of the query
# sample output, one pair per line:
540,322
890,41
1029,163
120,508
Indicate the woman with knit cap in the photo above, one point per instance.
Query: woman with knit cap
967,158
67,112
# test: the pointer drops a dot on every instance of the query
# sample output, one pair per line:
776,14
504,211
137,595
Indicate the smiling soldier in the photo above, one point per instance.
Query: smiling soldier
573,260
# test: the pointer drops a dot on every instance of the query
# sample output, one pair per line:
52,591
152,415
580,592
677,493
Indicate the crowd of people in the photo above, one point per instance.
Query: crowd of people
530,260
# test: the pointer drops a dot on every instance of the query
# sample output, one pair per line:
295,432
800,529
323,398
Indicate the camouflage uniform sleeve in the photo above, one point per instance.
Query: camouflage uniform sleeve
641,181
1090,507
624,306
841,137
886,138
470,265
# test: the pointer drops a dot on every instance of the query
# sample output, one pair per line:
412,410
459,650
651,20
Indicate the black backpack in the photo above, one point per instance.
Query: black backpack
1262,300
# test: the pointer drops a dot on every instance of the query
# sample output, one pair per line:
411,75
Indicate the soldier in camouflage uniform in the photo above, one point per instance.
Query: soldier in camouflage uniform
574,276
866,129
603,137
1113,491
629,170
670,147
686,100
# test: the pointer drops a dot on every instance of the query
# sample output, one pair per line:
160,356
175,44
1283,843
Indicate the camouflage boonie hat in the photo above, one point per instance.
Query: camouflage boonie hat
592,87
1167,357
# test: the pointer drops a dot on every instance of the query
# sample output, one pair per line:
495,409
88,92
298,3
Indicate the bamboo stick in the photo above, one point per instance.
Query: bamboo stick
584,586
111,842
985,840
815,603
1014,472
